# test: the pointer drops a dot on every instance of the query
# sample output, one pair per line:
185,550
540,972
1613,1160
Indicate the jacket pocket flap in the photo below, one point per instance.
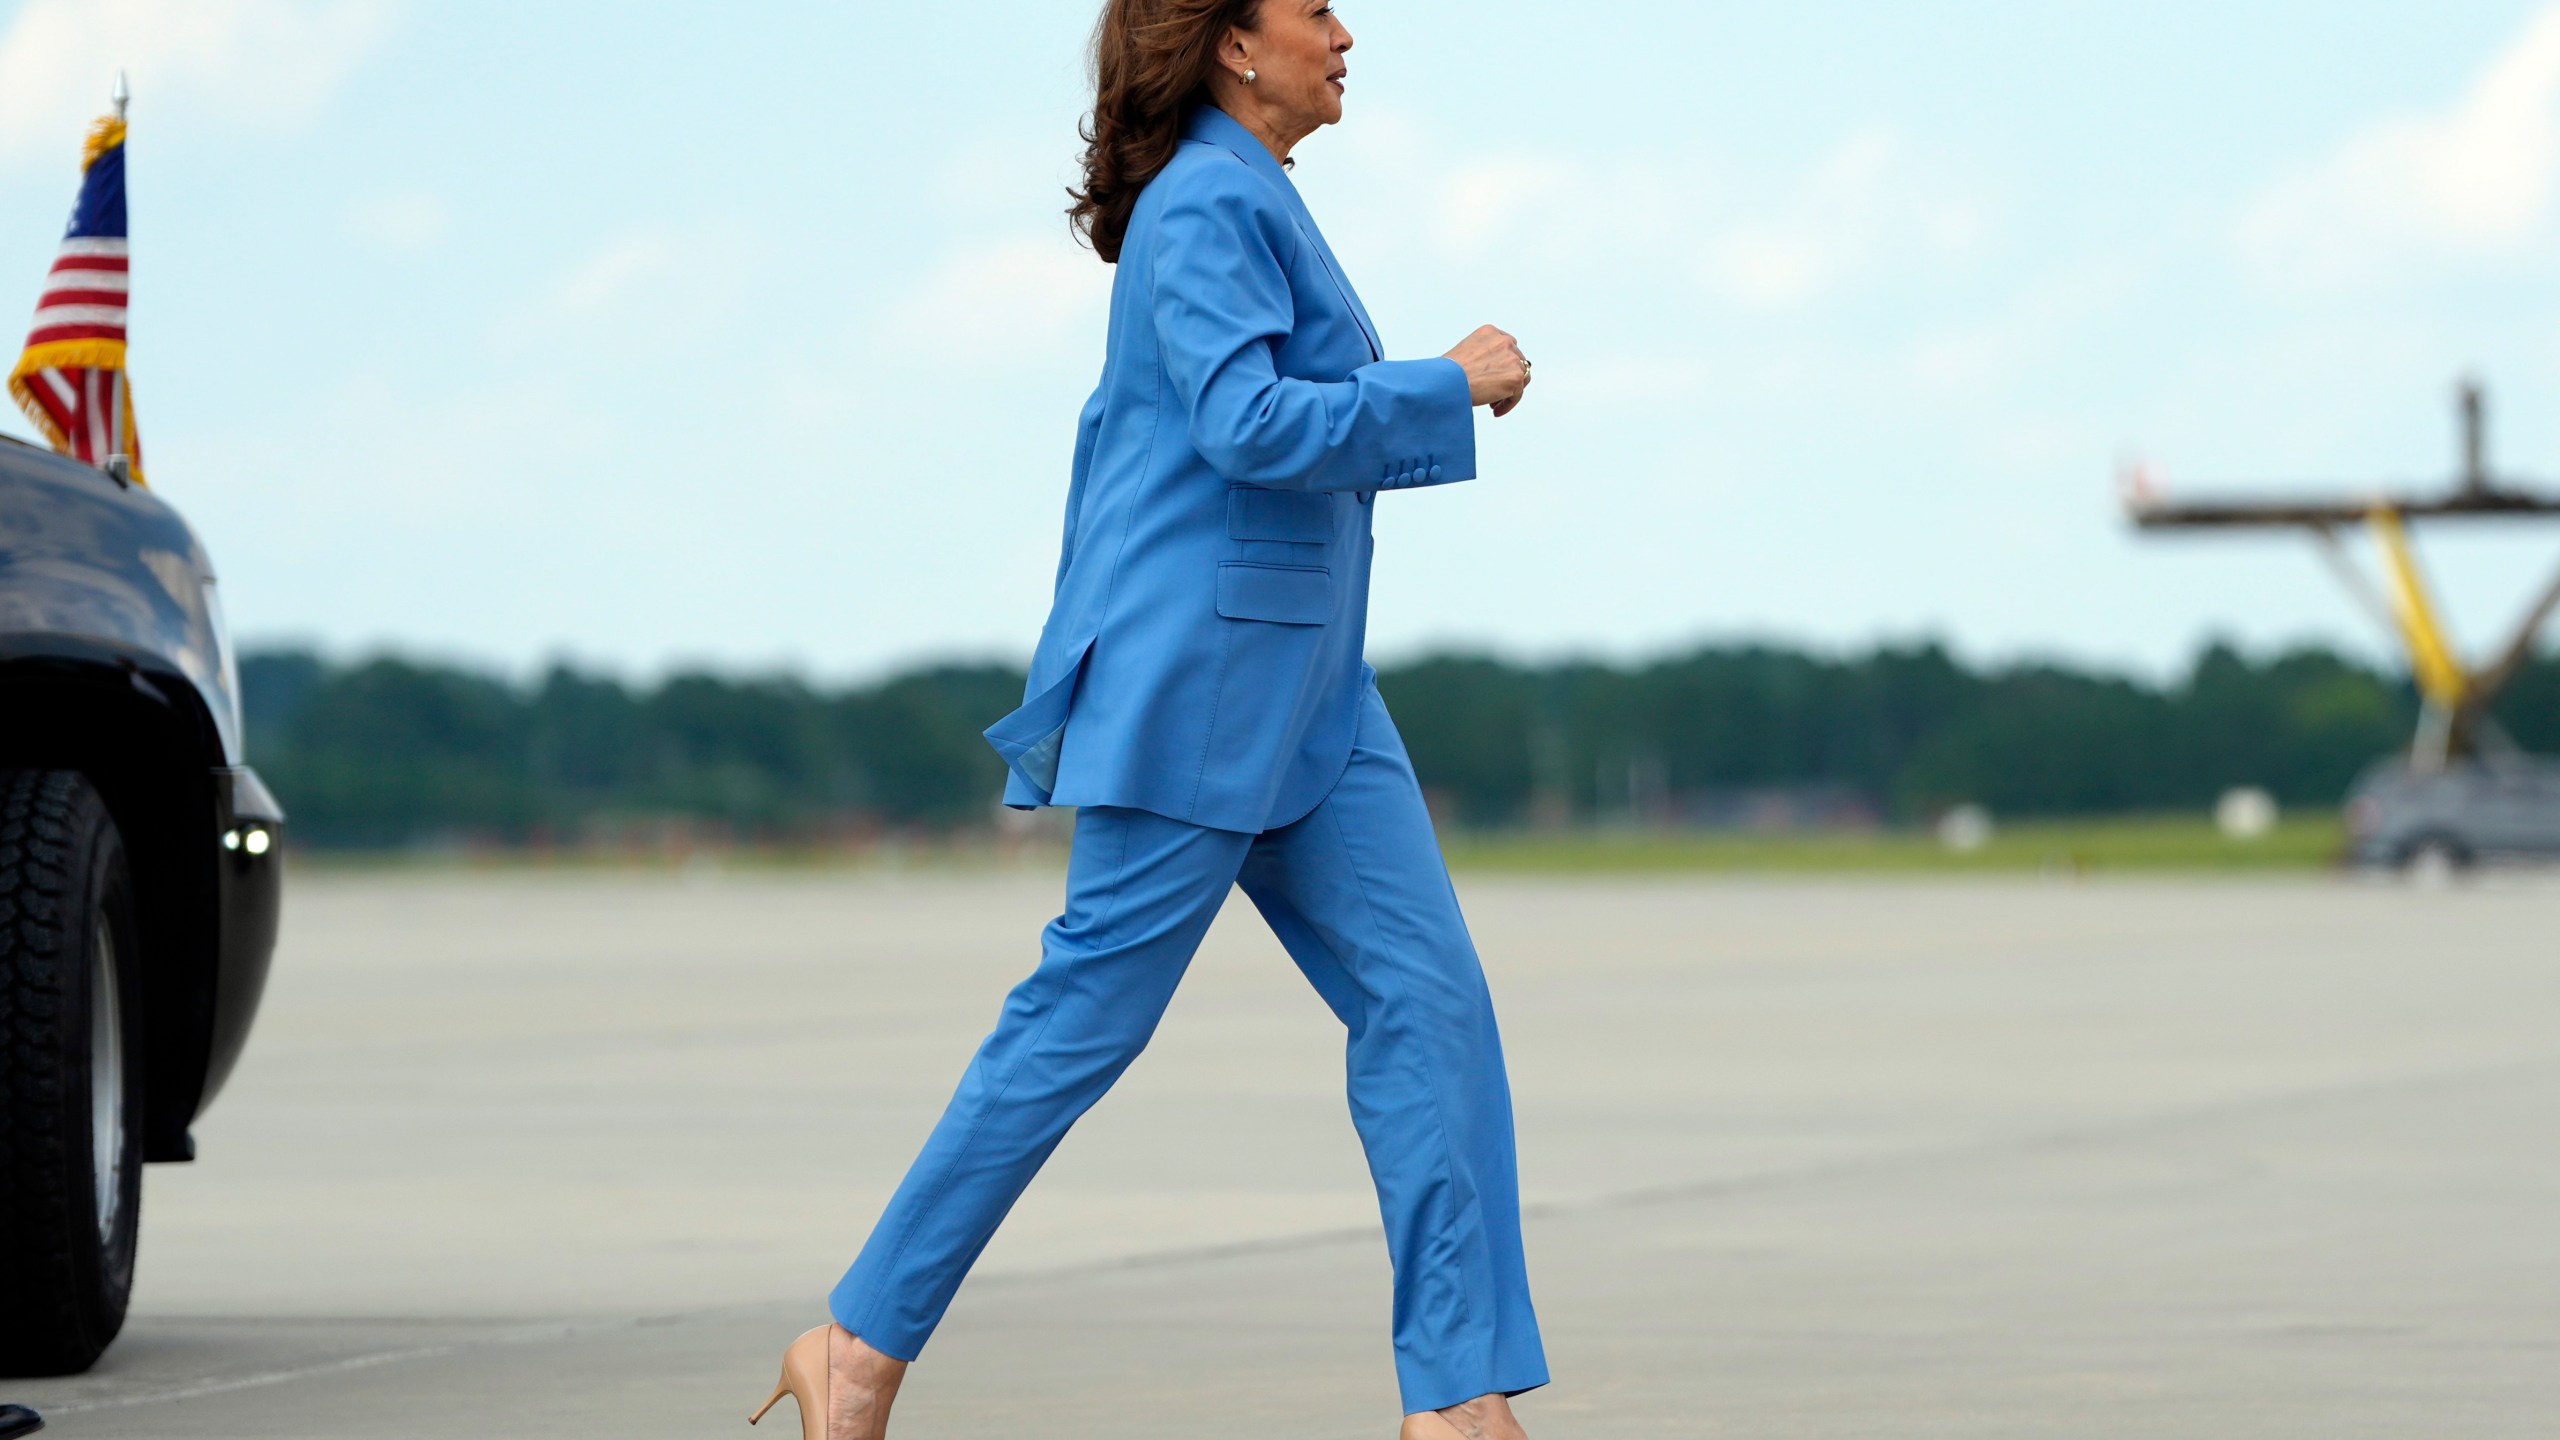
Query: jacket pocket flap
1290,594
1254,513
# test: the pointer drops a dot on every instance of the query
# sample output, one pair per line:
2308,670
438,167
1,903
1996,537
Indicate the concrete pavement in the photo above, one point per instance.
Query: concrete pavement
538,1155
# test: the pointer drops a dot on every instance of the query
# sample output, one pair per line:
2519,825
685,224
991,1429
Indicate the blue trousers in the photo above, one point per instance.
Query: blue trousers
1357,893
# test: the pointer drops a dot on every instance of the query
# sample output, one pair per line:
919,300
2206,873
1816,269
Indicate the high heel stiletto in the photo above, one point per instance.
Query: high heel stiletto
804,1379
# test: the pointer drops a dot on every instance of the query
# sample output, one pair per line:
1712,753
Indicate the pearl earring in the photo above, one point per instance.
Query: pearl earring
1248,77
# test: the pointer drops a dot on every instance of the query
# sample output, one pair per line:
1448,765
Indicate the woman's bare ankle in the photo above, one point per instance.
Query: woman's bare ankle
862,1385
853,1358
1487,1417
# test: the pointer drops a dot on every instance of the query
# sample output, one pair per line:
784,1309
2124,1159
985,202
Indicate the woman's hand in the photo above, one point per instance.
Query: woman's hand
1497,373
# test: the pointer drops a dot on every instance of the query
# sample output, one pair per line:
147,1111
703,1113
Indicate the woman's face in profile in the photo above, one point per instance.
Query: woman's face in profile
1297,57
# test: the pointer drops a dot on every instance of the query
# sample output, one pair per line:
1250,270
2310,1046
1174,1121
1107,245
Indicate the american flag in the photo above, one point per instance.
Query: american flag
71,380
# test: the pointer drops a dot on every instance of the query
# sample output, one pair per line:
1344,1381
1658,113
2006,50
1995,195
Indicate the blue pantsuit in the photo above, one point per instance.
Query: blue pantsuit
1199,693
1356,891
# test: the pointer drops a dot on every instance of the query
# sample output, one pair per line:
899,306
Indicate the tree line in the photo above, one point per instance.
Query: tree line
391,751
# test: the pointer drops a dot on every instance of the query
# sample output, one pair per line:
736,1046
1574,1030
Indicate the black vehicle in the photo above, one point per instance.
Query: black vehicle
139,885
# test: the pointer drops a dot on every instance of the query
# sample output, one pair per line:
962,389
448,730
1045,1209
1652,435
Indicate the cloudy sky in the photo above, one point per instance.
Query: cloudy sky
750,334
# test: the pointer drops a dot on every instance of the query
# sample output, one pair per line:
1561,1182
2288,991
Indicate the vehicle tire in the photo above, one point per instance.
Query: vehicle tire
2435,860
70,1087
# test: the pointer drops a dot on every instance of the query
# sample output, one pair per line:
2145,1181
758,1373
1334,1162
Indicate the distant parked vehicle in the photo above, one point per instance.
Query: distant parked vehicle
2473,809
138,885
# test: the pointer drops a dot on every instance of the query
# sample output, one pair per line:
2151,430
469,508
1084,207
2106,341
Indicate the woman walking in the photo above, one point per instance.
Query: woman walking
1199,693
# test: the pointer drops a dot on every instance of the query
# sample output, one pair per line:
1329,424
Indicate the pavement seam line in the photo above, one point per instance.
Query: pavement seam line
1318,1239
195,1390
202,1388
2058,1138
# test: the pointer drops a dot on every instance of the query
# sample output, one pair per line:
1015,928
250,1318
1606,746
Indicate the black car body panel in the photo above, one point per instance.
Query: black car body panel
114,662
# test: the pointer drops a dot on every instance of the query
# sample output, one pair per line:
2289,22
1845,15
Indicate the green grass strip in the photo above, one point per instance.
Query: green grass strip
2139,844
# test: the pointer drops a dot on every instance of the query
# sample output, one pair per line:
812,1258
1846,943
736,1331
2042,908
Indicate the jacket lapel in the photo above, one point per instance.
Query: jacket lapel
1217,127
1333,271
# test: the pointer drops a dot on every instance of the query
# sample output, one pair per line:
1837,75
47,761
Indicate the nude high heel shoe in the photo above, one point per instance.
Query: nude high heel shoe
804,1379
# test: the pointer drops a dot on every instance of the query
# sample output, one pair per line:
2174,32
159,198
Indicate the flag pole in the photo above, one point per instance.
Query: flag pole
120,465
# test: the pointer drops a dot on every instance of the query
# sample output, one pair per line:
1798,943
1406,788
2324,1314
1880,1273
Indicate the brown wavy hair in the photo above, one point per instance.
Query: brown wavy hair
1151,63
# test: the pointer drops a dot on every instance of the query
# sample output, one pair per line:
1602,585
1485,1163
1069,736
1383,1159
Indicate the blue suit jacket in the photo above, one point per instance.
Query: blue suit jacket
1202,658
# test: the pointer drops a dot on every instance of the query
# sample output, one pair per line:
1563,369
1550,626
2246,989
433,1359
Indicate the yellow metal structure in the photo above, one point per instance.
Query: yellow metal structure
2456,723
2440,673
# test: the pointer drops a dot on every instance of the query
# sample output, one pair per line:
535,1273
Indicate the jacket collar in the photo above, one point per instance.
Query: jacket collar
1214,126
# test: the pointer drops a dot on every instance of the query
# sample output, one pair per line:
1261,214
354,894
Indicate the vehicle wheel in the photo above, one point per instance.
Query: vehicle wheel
2434,861
70,1091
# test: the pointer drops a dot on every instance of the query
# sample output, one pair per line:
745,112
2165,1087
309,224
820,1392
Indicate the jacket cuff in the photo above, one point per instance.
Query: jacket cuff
1437,443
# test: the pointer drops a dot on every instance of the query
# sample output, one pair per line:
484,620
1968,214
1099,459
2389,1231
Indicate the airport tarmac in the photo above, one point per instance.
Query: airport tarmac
523,1154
